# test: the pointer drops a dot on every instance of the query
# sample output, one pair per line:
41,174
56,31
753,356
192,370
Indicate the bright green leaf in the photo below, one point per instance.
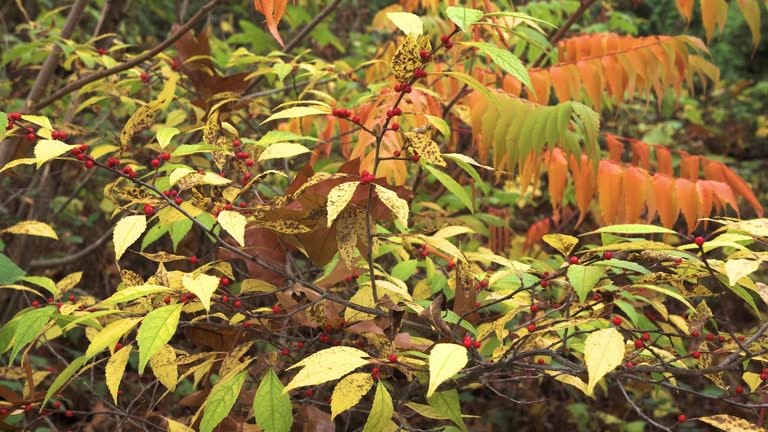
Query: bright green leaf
463,17
453,186
381,410
584,278
447,404
156,330
132,293
271,406
507,61
165,134
221,400
109,335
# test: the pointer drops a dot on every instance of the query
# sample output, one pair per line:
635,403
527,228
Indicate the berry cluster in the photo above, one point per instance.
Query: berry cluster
469,343
403,88
366,177
341,112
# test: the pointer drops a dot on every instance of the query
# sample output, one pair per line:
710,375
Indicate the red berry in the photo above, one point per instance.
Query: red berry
165,156
424,54
448,45
247,324
679,261
348,279
699,241
324,338
398,87
639,343
616,320
62,135
249,162
764,376
415,158
15,116
395,126
356,119
68,413
710,336
309,392
544,284
695,333
149,210
540,361
682,418
167,300
375,373
696,355
397,111
31,136
28,407
300,344
393,358
35,304
646,337
225,298
477,344
390,113
276,309
467,342
573,260
144,77
89,163
741,338
71,298
155,163
237,303
608,255
407,89
285,352
224,281
396,153
55,135
175,64
118,346
531,328
629,365
483,283
178,200
534,308
193,259
236,143
57,404
721,338
445,39
424,253
183,299
596,297
451,265
3,412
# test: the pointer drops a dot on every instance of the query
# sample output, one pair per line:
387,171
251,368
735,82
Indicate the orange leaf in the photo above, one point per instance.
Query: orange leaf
541,84
666,199
583,183
536,231
636,184
689,166
663,160
609,185
740,187
641,154
592,77
750,9
617,79
685,7
615,147
688,197
273,10
714,14
529,171
557,169
722,194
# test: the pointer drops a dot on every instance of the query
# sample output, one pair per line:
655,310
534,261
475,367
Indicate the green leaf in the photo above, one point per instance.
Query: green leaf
3,121
9,271
156,330
274,136
127,231
43,282
447,404
63,377
188,149
349,391
132,293
297,112
463,17
473,84
454,187
165,134
441,125
603,352
633,229
381,410
561,242
109,335
327,365
29,327
283,151
271,406
466,163
234,224
202,285
221,400
407,22
507,61
445,361
584,278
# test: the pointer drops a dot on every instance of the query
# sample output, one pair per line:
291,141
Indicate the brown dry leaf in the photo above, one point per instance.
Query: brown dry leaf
162,257
311,419
466,295
434,313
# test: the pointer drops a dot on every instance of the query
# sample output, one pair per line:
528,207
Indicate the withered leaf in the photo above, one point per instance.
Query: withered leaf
428,149
407,57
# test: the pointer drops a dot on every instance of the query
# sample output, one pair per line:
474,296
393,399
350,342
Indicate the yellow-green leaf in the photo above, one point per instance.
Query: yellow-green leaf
507,61
156,330
127,231
115,369
174,426
633,229
398,205
17,162
425,147
453,186
38,120
327,365
381,410
63,377
349,391
407,22
447,404
283,150
221,400
233,223
46,150
165,134
338,198
463,17
34,228
603,352
738,268
164,367
730,423
109,335
202,285
132,293
445,361
271,406
561,242
296,112
584,278
210,178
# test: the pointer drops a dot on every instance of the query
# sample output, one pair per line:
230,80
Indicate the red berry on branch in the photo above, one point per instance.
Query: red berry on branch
682,418
155,163
392,358
300,344
285,352
276,309
415,158
89,163
236,143
710,337
531,328
71,298
118,346
448,45
573,260
355,275
395,127
608,255
396,153
445,38
237,303
175,64
397,111
699,241
144,77
477,344
540,361
544,284
617,320
407,89
398,87
639,343
348,279
646,337
31,136
467,342
249,162
165,156
696,355
149,210
695,333
68,413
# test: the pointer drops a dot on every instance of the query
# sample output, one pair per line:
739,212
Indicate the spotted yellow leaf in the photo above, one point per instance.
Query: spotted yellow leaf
164,367
115,369
407,57
397,205
427,149
338,198
34,228
349,391
349,230
327,365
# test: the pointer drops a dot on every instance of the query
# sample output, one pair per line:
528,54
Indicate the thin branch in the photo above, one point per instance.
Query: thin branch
640,411
130,63
555,38
69,259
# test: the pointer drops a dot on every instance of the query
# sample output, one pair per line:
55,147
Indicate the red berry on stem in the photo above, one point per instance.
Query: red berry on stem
155,163
696,355
467,342
695,333
710,336
68,413
445,39
118,346
477,344
639,343
285,352
646,337
31,136
89,163
236,143
237,303
398,87
276,309
531,328
682,418
448,45
699,241
392,358
544,284
540,361
534,308
149,210
608,255
224,281
395,127
167,300
348,279
396,153
71,298
616,320
573,260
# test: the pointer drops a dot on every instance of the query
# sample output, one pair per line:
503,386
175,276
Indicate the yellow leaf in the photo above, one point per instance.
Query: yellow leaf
327,365
164,367
398,205
46,150
115,369
212,128
570,380
739,268
381,411
424,146
109,335
350,228
603,352
753,380
349,391
17,162
174,426
178,174
127,231
283,150
215,179
561,242
407,22
144,116
202,285
730,423
254,285
38,120
165,134
445,361
234,224
338,198
407,57
297,112
68,282
35,228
